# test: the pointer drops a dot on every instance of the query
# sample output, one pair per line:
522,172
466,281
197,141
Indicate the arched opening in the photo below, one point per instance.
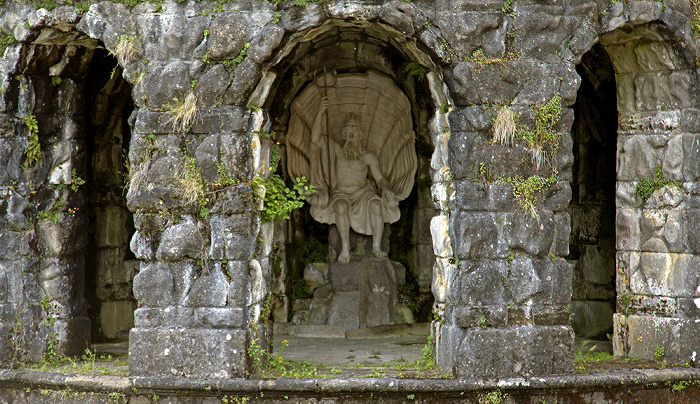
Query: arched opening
351,49
110,263
592,207
76,281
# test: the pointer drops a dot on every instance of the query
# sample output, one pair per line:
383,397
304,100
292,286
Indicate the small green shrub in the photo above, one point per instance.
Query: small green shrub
6,39
542,140
646,186
417,70
525,191
33,151
279,200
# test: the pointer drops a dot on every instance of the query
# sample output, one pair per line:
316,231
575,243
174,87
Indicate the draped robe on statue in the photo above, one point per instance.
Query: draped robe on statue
385,117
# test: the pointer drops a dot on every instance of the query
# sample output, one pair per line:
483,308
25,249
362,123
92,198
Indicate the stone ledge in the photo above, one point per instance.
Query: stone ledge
102,383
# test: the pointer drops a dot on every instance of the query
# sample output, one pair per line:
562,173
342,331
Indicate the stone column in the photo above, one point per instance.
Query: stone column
658,283
501,281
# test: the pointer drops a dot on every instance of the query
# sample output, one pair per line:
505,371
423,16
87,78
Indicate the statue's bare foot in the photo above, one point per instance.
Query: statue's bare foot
379,253
344,257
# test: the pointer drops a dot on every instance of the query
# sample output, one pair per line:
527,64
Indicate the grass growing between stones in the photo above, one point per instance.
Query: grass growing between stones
88,363
127,49
183,111
6,39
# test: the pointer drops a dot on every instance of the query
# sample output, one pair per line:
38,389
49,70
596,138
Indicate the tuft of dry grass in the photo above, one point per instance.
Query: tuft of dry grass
190,182
183,112
127,49
504,126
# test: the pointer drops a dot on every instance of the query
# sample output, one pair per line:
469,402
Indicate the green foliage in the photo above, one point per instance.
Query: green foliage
76,181
659,352
417,70
646,186
310,251
276,18
300,289
482,322
6,39
542,140
480,59
525,191
507,6
238,59
427,361
492,397
44,215
56,80
279,200
33,151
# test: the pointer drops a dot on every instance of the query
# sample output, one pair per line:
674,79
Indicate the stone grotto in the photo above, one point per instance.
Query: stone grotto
185,174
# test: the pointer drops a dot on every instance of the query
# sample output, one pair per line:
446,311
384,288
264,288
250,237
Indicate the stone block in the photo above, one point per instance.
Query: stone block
627,230
236,156
316,274
643,334
477,235
638,155
515,351
169,36
211,85
233,200
210,289
15,244
180,352
263,44
65,237
479,283
541,34
245,78
116,317
162,284
691,157
232,237
344,310
228,35
182,240
553,315
423,270
665,274
468,31
164,82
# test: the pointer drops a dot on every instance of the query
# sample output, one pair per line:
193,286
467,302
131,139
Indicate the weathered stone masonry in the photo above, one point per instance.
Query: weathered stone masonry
502,279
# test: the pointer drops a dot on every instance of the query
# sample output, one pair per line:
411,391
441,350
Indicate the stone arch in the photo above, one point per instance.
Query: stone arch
357,46
72,275
654,58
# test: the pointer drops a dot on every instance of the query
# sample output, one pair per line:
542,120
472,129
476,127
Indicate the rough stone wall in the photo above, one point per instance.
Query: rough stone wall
657,278
500,280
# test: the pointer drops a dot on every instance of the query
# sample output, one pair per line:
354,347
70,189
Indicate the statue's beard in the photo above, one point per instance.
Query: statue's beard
352,150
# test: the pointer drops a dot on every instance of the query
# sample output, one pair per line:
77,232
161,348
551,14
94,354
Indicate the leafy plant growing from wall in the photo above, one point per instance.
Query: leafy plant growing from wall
279,200
646,186
525,191
33,151
542,139
6,39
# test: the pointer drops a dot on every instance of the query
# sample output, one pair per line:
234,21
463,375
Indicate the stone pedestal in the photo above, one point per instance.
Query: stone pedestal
358,294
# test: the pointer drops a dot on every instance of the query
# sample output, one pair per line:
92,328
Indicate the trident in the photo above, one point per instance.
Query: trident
325,88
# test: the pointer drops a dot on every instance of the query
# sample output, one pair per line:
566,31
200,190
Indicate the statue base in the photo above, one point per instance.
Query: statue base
358,294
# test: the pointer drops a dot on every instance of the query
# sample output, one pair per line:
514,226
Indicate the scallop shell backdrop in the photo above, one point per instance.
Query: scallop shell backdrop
384,113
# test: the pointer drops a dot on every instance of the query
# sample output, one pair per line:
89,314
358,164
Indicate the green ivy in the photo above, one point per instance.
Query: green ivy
646,186
279,200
